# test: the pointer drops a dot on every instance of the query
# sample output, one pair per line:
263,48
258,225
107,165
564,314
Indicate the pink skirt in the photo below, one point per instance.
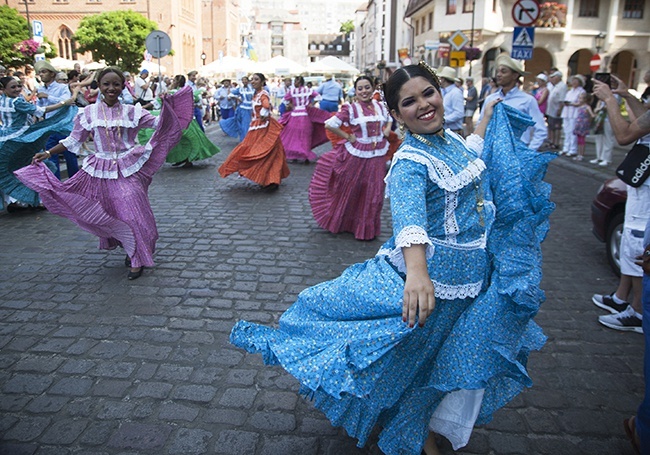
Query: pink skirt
301,133
346,193
115,210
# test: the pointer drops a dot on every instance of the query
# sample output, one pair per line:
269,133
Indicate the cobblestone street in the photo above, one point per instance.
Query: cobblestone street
94,364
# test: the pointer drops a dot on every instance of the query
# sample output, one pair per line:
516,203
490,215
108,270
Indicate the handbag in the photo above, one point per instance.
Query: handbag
598,124
635,168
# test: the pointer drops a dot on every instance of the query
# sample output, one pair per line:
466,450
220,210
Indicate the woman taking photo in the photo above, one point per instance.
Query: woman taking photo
432,334
260,157
347,189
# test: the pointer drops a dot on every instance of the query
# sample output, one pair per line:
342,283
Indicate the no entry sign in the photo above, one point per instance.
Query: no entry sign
595,62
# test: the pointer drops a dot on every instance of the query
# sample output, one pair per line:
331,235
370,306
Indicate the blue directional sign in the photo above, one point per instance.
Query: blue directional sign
523,40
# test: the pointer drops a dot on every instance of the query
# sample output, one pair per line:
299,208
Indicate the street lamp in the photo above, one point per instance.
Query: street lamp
599,41
203,57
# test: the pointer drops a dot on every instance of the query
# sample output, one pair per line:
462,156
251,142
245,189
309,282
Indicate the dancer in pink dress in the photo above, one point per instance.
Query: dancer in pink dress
303,124
346,192
109,198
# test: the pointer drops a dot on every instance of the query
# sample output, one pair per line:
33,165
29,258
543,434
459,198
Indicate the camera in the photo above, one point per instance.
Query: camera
604,77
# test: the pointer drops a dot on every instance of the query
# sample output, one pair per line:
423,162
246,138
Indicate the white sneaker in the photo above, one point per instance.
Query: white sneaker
627,321
603,163
594,161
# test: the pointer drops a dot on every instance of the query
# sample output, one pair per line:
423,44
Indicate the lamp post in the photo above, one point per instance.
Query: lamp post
599,40
29,24
203,57
381,66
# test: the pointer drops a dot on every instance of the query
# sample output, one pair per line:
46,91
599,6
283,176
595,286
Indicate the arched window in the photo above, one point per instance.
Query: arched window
66,43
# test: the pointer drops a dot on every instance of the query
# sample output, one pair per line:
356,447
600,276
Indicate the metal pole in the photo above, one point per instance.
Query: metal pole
158,38
29,24
471,36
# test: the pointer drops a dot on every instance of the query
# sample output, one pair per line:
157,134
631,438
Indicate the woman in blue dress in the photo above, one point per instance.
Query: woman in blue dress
238,125
20,137
432,335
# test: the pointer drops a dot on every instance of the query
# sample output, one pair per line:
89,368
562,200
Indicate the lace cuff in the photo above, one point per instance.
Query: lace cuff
475,142
333,122
71,144
408,236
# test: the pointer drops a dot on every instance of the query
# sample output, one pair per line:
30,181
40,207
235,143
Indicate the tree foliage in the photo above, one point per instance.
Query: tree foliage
347,27
117,37
14,29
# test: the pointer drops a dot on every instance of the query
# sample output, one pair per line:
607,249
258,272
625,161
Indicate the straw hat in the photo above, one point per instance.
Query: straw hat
505,60
43,65
448,73
542,77
580,79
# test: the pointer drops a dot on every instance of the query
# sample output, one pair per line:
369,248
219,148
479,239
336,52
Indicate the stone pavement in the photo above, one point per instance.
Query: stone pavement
93,364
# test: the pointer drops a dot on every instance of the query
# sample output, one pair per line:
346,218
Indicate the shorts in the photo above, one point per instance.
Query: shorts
582,140
469,112
554,123
631,247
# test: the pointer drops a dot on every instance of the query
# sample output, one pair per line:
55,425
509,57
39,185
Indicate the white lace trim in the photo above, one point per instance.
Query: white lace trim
15,133
438,171
408,236
126,172
258,127
333,122
455,416
457,291
71,144
264,112
475,142
477,244
96,122
109,175
352,150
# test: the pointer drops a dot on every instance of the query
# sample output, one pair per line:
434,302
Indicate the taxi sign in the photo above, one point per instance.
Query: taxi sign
523,41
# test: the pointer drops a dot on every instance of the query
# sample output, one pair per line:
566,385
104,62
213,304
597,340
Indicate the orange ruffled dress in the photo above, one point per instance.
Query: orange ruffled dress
260,156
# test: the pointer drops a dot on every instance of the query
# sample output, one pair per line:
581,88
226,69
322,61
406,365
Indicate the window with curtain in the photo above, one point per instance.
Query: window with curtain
588,8
468,6
633,9
430,21
451,6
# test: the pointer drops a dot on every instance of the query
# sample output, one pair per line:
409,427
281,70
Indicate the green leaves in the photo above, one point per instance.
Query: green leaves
14,30
117,37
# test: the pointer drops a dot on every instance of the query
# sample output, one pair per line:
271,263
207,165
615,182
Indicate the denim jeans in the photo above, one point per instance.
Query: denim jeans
71,159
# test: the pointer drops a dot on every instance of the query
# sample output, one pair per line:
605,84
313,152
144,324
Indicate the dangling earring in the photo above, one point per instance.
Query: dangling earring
401,128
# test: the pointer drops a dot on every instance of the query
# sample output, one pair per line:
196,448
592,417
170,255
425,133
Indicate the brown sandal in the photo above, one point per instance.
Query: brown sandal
630,431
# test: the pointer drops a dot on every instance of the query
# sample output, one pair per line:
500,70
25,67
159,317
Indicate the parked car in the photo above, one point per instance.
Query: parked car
607,216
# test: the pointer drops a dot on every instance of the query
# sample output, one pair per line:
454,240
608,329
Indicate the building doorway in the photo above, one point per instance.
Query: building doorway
623,65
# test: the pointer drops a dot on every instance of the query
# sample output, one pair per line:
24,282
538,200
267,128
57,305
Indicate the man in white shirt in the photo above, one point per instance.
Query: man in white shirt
142,89
554,108
453,99
508,74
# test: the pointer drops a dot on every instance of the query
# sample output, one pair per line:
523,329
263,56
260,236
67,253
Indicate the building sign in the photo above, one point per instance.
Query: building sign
523,40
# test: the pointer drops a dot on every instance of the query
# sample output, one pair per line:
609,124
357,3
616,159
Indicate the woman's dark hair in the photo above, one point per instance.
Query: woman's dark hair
261,76
300,80
403,75
364,78
111,69
72,74
5,80
179,81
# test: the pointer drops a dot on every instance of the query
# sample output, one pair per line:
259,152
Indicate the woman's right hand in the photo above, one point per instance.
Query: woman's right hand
352,138
40,156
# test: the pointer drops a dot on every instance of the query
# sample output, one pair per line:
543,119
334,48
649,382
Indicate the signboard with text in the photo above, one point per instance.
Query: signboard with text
523,41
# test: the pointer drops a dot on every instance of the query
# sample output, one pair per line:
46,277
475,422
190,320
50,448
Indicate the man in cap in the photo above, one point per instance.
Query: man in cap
507,75
452,99
554,108
49,94
142,89
331,94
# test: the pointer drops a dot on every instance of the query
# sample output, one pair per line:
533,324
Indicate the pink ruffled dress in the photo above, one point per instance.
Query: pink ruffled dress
304,126
109,198
346,192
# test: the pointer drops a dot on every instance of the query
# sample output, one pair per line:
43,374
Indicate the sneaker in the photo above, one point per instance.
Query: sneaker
594,161
578,158
628,321
603,163
606,302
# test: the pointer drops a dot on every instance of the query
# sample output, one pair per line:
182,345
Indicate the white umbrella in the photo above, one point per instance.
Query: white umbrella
281,66
228,65
152,67
331,64
61,63
92,66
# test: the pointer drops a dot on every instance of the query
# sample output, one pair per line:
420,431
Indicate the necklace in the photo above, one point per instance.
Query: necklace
480,203
109,137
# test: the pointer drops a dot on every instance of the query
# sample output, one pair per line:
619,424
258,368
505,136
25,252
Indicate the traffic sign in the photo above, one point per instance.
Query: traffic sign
595,62
458,40
523,40
457,59
525,12
37,31
158,43
431,45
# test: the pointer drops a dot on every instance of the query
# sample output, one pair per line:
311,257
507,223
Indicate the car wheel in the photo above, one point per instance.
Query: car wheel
613,242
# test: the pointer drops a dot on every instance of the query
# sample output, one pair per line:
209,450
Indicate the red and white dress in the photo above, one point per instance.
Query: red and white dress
260,156
346,192
304,125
